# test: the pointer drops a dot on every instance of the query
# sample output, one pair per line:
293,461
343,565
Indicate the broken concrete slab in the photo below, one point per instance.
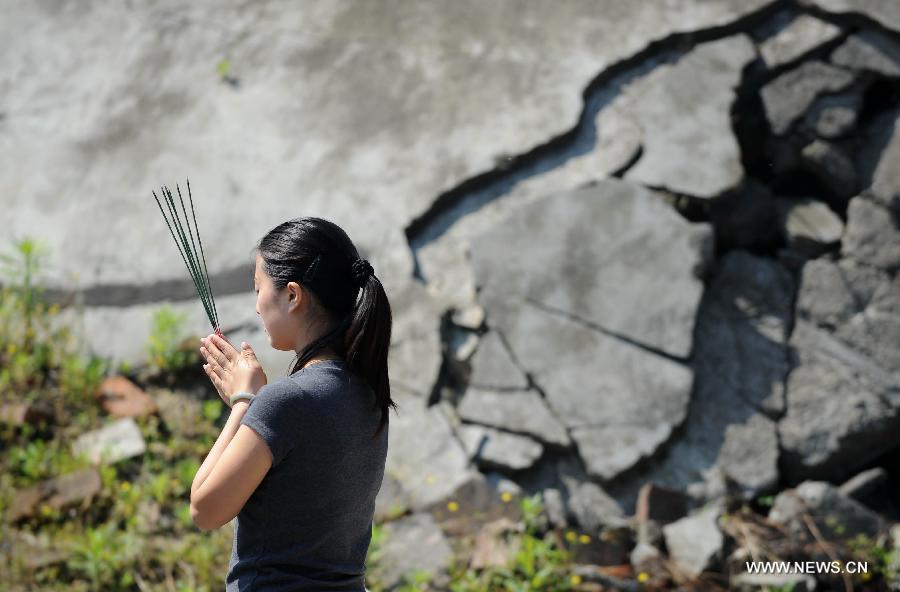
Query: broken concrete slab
491,448
802,35
869,51
517,411
686,109
884,12
789,96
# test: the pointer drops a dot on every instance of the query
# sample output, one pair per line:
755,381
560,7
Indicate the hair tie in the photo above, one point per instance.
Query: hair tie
362,269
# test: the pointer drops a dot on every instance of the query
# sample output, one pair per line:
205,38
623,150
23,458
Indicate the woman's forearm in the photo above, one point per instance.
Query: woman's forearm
228,432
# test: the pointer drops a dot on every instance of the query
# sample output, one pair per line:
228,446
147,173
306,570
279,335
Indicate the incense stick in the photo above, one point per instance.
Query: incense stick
187,248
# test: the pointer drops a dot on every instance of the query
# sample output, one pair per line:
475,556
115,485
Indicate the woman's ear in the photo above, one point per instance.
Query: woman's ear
294,294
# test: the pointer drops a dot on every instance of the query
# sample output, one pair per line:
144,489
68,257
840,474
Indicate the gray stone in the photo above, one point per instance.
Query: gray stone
688,107
424,455
411,544
613,255
749,456
591,507
834,116
493,367
870,51
831,293
836,515
828,163
804,34
554,507
740,360
523,411
492,448
695,542
872,236
788,96
113,442
879,161
808,225
843,409
885,12
642,553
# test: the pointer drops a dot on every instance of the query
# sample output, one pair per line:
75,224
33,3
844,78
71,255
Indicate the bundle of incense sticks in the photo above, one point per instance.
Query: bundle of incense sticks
188,247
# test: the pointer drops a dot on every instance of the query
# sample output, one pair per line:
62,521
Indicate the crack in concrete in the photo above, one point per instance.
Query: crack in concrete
600,329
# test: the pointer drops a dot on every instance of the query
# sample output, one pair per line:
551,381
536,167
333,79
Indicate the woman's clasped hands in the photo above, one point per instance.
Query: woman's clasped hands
231,371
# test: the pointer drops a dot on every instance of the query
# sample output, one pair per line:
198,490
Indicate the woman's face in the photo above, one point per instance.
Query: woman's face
275,307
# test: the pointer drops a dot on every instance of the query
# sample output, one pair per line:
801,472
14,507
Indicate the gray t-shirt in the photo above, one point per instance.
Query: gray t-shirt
309,523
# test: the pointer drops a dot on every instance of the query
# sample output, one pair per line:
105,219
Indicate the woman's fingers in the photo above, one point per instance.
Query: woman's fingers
215,353
223,346
217,382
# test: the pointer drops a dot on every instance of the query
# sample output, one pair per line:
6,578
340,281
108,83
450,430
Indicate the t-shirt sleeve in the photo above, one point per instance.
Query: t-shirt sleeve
276,413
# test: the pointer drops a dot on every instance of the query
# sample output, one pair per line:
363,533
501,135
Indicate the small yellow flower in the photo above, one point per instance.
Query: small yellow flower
584,539
453,506
643,577
575,579
506,497
54,309
46,510
11,349
125,486
571,536
430,479
866,576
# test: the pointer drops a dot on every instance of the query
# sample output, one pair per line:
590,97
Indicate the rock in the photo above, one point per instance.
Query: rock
415,355
534,283
493,448
748,582
749,456
523,411
803,35
37,549
411,544
828,163
461,344
493,366
788,96
423,454
862,484
688,107
843,409
884,12
879,162
740,360
872,235
62,492
592,508
834,116
695,541
491,547
831,293
837,516
19,414
643,553
869,51
470,317
529,256
115,441
809,226
660,504
120,397
554,507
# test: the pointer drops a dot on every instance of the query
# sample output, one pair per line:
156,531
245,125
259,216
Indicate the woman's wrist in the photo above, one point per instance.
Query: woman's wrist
240,397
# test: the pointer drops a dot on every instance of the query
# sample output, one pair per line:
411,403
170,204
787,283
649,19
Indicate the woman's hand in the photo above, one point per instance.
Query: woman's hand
231,371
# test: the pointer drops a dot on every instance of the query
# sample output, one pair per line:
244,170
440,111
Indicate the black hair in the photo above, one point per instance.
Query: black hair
318,254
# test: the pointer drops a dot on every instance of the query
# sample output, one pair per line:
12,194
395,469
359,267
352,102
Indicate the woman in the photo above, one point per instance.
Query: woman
300,460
